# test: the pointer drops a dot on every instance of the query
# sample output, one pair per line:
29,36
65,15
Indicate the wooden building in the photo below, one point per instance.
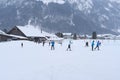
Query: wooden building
3,36
9,37
30,32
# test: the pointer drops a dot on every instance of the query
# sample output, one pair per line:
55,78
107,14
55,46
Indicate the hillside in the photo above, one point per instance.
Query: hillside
76,16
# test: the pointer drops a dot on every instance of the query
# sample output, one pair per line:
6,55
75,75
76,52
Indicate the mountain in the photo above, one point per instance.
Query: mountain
76,16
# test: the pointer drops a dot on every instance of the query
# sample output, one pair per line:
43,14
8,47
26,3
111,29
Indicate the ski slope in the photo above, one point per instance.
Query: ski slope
35,62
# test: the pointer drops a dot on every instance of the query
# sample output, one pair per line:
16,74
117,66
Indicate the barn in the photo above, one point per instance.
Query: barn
30,32
3,36
8,37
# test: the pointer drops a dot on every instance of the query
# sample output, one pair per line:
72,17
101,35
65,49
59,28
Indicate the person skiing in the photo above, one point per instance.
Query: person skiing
69,46
52,45
49,43
93,44
43,43
86,44
21,44
98,44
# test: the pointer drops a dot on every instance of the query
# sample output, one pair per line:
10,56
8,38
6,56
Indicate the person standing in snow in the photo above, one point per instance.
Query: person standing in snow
92,45
43,43
69,46
52,45
49,43
98,44
21,44
86,44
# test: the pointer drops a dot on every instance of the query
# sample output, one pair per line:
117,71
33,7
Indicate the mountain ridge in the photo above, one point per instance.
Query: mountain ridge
76,16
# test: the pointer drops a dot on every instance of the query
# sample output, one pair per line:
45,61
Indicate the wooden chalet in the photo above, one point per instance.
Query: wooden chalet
3,36
8,37
30,32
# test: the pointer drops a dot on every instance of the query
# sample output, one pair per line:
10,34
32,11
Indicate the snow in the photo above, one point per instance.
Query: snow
117,1
15,36
30,31
119,30
110,5
107,9
35,62
103,18
54,1
1,32
103,26
83,5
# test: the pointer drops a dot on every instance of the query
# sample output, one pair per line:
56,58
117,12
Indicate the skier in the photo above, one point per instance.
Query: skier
69,46
98,44
52,45
92,45
49,43
43,43
21,44
86,44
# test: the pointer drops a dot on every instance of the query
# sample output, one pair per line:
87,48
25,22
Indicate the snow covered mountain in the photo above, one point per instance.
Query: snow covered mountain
76,16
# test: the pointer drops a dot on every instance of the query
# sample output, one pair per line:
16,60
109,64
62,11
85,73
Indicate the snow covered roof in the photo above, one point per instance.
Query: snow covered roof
55,38
1,32
21,37
67,33
30,31
53,1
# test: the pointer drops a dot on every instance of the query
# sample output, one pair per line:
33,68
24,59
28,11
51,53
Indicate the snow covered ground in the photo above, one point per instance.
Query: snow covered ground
35,62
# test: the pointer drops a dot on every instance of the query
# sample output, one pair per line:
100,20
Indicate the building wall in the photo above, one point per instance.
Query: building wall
16,31
4,38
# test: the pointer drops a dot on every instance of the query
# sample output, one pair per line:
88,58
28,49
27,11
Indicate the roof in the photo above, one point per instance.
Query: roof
1,32
67,33
21,37
55,38
10,35
30,31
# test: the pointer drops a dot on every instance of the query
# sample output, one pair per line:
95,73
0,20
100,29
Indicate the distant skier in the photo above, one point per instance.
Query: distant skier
69,46
43,43
49,43
98,44
52,45
21,44
86,44
92,45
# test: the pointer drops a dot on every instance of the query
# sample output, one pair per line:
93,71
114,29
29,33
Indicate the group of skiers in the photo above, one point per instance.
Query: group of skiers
93,45
97,45
52,43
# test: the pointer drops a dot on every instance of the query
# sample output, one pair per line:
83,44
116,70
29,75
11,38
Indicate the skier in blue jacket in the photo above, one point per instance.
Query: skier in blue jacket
93,44
98,44
52,45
